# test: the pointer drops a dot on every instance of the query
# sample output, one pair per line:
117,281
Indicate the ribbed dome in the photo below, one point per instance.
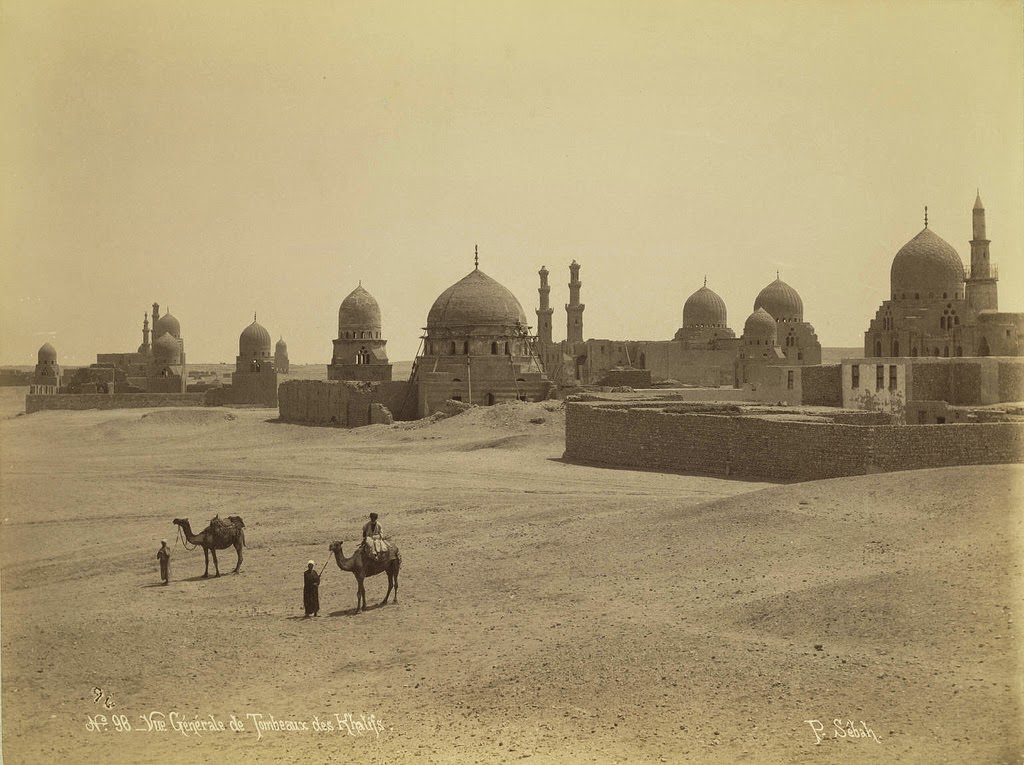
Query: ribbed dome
358,311
704,308
781,301
46,353
166,350
167,323
281,345
926,266
759,325
254,340
475,300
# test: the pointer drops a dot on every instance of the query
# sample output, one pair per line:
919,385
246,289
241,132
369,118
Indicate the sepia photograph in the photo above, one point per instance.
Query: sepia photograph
511,382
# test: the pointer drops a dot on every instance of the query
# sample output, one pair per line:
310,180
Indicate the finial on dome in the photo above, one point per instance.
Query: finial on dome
253,317
777,277
476,257
705,280
926,216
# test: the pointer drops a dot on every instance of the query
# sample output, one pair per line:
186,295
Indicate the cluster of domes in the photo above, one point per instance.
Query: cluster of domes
476,300
927,266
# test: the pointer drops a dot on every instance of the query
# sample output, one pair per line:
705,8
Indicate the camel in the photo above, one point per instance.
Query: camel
211,539
361,565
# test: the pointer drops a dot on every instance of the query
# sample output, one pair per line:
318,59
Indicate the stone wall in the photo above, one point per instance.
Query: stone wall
78,401
345,404
822,385
633,378
759,448
1011,380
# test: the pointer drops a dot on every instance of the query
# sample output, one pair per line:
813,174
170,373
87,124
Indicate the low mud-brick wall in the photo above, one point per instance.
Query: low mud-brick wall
770,448
66,401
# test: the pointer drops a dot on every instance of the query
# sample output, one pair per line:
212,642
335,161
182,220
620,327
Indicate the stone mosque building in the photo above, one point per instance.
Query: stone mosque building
157,366
704,350
359,351
46,377
938,309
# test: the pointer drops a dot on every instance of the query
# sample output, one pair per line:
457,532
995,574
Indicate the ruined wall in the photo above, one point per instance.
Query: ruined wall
344,404
79,401
634,378
758,448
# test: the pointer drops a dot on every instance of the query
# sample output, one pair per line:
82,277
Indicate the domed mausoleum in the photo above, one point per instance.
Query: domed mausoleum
478,348
46,379
937,309
360,351
254,380
281,363
705,320
796,337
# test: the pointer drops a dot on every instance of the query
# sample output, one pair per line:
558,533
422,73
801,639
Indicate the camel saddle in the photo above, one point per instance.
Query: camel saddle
222,528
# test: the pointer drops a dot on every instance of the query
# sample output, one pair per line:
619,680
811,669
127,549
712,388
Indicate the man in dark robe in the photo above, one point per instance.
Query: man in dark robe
164,556
311,591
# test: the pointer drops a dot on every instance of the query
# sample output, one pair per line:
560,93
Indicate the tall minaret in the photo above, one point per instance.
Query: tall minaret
982,288
574,308
156,315
145,347
545,311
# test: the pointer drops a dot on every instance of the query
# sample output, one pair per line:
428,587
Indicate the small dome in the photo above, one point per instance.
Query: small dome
358,311
166,350
46,353
281,345
254,340
926,266
167,323
759,325
476,300
781,301
704,308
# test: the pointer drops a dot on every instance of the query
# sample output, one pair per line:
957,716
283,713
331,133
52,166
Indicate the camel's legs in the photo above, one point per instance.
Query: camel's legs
388,593
206,555
360,597
213,552
238,549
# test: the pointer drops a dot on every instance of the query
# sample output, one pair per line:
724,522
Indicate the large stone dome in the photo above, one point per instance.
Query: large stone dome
760,325
166,349
47,353
358,311
476,300
704,308
926,266
254,340
781,301
167,323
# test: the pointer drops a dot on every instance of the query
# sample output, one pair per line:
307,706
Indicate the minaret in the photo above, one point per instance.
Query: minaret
145,347
545,311
982,288
156,314
574,308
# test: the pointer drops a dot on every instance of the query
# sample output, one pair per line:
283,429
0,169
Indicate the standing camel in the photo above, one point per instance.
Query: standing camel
212,538
361,565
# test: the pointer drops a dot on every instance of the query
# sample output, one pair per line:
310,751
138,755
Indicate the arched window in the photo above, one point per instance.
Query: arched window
935,351
895,347
453,348
942,322
913,351
490,399
465,347
508,349
983,347
878,347
945,351
494,348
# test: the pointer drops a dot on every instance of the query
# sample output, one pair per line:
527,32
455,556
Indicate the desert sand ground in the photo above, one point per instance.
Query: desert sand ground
547,611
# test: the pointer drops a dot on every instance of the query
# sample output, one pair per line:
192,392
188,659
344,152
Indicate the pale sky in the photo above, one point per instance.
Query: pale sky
222,158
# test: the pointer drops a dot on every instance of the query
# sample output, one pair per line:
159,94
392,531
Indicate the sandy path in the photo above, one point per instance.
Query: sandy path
547,611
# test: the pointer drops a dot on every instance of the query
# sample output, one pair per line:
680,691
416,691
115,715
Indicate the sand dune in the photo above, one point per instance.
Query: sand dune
547,611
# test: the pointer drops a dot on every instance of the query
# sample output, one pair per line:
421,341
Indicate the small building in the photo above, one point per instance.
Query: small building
255,379
281,364
360,350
